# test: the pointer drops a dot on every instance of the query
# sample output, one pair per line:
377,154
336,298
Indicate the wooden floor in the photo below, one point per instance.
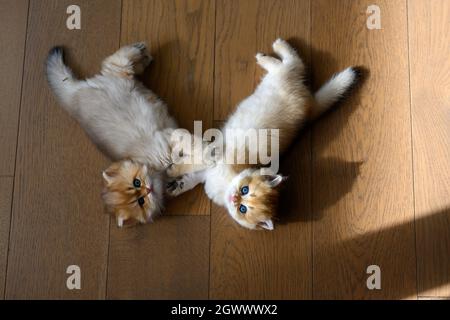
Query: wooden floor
369,183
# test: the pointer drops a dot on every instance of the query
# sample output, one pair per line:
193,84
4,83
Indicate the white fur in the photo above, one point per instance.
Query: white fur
231,188
279,99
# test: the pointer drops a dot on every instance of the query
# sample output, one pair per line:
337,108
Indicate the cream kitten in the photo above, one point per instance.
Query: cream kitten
127,121
281,101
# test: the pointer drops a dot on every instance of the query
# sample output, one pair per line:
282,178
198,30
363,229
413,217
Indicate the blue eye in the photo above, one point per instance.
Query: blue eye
136,183
242,209
244,190
141,201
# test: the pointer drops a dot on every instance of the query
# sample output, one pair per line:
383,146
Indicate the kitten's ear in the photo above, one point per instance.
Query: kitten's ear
107,177
121,219
275,180
124,220
267,224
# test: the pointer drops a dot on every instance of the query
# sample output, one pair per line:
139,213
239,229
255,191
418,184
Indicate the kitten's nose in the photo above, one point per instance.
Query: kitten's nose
234,198
149,190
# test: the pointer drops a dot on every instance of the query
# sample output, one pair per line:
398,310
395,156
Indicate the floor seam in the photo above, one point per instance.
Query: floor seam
17,147
412,147
109,220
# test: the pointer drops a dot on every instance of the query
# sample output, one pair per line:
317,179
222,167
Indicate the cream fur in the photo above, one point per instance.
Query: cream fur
280,101
122,116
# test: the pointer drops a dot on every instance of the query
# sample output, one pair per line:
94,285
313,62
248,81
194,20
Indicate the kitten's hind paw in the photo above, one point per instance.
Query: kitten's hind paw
280,43
140,45
285,51
267,62
142,59
128,60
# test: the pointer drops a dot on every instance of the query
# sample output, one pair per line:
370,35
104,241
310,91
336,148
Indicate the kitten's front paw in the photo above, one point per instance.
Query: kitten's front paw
175,170
175,187
171,171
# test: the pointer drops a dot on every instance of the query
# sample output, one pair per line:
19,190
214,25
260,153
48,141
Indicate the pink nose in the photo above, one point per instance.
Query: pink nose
149,190
233,198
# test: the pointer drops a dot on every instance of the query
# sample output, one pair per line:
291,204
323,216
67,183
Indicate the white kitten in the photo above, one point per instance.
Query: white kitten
281,101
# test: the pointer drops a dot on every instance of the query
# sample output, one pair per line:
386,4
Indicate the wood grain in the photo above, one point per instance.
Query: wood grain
429,38
180,35
58,217
362,195
6,188
165,260
349,202
250,264
236,25
13,23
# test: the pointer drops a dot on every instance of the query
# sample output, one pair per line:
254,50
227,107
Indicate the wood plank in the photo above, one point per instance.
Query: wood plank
170,258
6,188
165,260
250,264
180,35
58,217
429,38
236,36
13,23
362,176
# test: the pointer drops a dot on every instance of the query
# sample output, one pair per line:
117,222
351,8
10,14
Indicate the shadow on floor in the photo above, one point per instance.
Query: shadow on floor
297,200
398,267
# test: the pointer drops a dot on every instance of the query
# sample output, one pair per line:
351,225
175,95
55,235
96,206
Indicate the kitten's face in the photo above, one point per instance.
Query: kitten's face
130,194
252,199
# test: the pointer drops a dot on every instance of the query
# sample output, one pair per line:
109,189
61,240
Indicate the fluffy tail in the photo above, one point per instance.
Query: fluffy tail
60,77
334,90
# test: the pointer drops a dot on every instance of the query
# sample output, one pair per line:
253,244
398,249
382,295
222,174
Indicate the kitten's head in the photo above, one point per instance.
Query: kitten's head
252,199
132,193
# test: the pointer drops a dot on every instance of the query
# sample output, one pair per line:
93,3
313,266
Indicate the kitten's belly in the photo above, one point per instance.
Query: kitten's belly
125,120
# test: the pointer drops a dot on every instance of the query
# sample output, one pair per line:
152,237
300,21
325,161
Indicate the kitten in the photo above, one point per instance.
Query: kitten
127,121
280,101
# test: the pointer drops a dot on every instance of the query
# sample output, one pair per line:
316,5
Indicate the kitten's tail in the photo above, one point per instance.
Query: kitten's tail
60,77
334,90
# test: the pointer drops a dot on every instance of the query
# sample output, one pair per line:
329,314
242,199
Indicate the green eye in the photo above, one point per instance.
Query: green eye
137,183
